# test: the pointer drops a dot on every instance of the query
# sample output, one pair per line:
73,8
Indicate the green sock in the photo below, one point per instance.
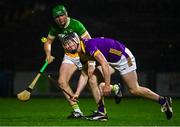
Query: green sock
76,108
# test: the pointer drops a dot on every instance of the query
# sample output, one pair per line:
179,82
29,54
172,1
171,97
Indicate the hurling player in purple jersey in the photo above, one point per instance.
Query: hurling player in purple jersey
109,52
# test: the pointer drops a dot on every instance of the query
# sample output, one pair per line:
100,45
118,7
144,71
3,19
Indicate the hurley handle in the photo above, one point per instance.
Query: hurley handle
44,66
33,83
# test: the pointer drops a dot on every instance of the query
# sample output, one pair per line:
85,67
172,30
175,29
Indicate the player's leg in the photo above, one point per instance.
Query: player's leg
66,71
101,113
92,82
131,81
129,77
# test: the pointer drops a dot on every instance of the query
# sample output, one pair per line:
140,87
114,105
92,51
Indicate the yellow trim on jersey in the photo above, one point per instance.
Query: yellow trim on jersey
82,47
96,52
72,55
85,35
51,37
116,52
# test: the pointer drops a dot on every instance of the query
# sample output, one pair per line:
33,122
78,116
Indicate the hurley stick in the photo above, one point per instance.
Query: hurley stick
25,95
56,83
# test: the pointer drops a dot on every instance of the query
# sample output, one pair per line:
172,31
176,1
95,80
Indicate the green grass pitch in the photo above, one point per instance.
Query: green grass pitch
53,112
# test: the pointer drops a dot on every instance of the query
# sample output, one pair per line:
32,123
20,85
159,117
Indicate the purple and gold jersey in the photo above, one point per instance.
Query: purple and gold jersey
111,49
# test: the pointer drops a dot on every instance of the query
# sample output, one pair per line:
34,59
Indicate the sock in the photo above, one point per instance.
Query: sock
76,108
162,100
101,107
115,88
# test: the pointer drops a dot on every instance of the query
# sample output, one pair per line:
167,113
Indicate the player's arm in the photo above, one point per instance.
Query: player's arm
47,45
105,69
81,84
47,49
91,64
83,33
86,35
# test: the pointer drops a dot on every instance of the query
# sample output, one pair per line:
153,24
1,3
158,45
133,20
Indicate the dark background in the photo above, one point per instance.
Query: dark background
150,29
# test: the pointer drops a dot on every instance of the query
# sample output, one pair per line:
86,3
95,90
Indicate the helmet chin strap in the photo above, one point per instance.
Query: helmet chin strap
75,50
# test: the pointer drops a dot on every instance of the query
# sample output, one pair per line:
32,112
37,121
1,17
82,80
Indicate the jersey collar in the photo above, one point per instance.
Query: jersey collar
67,23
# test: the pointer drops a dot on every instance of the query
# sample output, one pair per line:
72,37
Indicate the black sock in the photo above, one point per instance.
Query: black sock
162,100
101,106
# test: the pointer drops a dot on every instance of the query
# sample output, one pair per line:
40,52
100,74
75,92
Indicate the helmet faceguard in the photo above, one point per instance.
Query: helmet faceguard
71,38
59,10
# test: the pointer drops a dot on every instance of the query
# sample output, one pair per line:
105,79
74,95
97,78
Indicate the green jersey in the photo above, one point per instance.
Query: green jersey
72,25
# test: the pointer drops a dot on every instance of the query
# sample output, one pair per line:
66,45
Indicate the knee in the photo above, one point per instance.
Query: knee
92,81
62,82
92,85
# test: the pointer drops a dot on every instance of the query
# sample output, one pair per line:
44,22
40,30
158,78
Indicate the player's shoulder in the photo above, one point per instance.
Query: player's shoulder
99,38
106,38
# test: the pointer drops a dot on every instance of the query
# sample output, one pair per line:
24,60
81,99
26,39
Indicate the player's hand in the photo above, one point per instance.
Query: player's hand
75,98
106,89
50,58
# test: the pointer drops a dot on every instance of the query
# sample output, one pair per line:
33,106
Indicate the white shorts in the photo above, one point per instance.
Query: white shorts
72,60
122,65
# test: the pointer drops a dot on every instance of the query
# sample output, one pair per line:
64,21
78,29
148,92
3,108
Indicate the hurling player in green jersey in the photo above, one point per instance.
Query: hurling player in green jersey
71,62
